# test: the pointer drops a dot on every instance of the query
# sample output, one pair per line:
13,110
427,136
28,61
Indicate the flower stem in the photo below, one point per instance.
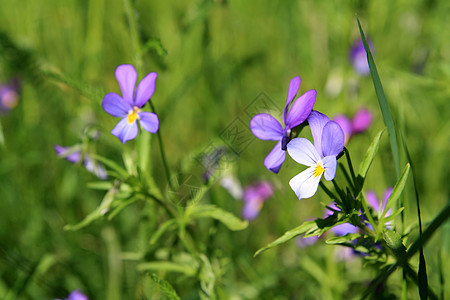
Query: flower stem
350,166
161,149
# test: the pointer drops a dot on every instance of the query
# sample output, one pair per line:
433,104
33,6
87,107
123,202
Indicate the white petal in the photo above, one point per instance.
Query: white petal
329,164
305,184
302,151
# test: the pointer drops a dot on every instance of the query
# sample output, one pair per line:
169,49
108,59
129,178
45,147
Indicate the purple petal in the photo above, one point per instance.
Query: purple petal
373,201
301,109
275,159
126,76
343,229
305,184
302,151
332,139
362,120
149,121
114,105
252,208
316,122
125,131
67,153
77,295
329,164
346,126
294,85
303,242
145,89
358,56
95,168
266,127
262,190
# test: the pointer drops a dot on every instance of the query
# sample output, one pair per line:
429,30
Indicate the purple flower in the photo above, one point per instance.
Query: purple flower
74,155
254,197
304,242
76,295
9,97
129,106
361,122
320,158
266,127
358,57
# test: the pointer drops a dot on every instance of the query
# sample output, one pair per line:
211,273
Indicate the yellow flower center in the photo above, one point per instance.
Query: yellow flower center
133,115
318,170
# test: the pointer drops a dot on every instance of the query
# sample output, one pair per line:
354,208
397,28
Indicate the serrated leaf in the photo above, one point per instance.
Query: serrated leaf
167,266
166,288
211,211
343,239
168,225
397,190
368,158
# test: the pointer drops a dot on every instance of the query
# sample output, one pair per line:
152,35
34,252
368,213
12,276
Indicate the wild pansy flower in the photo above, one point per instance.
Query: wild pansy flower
361,122
254,197
358,57
320,158
74,155
9,96
266,127
128,107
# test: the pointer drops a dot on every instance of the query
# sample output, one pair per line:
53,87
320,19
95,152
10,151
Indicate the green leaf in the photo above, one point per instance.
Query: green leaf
166,288
167,266
393,216
100,185
397,190
343,239
289,235
100,211
168,225
211,211
382,101
368,158
394,242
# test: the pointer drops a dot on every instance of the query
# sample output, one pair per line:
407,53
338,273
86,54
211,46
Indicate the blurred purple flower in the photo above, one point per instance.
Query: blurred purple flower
266,127
358,57
76,295
129,106
254,197
9,96
74,155
341,229
375,203
320,158
361,122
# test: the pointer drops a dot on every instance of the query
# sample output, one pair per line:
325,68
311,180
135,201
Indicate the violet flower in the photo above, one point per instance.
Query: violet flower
320,158
361,122
266,127
358,57
9,97
75,156
129,106
254,197
76,295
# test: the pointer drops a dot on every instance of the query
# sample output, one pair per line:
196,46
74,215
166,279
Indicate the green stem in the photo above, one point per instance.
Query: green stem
161,149
350,165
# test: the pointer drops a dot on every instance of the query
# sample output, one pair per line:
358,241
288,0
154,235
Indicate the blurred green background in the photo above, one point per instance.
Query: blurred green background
213,59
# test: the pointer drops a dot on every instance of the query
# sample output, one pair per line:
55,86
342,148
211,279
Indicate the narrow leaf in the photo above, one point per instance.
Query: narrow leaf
211,211
168,225
367,160
167,266
397,190
111,164
343,239
382,101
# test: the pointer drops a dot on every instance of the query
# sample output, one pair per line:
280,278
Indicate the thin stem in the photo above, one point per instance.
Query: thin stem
327,191
161,149
347,177
350,165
